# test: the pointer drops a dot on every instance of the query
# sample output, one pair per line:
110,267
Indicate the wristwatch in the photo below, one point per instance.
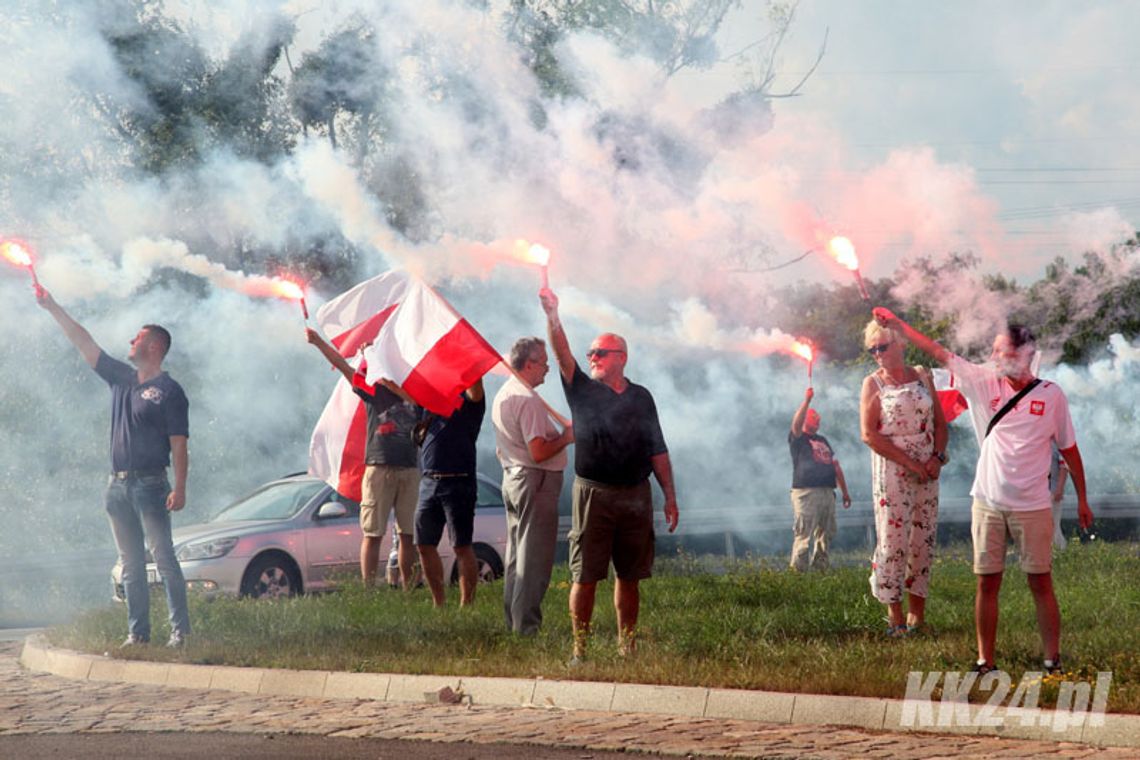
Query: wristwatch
941,457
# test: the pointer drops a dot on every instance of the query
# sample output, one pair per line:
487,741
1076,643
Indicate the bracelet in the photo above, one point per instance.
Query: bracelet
941,457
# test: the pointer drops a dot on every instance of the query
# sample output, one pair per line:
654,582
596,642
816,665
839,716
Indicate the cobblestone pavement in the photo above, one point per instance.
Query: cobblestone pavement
36,703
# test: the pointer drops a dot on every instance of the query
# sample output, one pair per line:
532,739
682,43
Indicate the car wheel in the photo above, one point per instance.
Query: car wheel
271,576
488,565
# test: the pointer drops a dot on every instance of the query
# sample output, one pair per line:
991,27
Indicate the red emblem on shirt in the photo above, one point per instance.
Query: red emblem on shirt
1037,407
994,403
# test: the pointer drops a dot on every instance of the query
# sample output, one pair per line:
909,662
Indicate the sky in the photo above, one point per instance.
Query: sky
1035,100
906,140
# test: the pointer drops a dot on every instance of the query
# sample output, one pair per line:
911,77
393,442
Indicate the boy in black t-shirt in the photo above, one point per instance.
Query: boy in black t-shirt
815,473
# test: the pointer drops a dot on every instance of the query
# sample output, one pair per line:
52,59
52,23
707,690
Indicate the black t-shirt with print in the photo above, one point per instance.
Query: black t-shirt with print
813,464
143,415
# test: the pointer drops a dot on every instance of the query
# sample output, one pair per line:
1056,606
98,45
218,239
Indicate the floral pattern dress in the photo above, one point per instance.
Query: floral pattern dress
906,511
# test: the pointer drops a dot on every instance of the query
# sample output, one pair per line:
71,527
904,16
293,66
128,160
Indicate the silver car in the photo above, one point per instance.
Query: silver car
297,535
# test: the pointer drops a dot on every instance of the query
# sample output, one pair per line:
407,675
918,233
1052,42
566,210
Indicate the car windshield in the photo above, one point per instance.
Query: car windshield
276,501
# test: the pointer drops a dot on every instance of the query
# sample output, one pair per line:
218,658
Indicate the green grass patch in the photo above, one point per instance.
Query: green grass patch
741,624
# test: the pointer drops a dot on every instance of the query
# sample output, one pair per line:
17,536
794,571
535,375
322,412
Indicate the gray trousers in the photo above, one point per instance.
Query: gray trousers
531,498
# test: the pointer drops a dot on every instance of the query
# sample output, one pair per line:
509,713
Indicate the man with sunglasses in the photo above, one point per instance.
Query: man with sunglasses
618,445
1016,418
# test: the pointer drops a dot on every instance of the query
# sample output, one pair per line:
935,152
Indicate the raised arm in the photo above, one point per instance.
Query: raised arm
801,413
330,353
74,331
557,335
663,471
1076,465
887,318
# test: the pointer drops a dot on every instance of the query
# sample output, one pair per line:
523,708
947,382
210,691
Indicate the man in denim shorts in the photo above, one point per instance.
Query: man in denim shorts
149,424
618,444
1011,486
448,492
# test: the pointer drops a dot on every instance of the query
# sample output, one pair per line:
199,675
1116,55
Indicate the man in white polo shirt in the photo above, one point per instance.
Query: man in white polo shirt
1016,418
533,455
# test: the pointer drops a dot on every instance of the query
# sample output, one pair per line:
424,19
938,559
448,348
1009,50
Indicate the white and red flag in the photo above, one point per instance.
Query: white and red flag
952,401
415,339
429,350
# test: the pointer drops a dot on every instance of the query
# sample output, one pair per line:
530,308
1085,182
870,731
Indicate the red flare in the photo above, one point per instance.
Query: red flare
843,250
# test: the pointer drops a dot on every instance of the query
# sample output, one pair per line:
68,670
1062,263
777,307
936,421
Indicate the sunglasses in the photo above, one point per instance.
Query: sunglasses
602,353
879,349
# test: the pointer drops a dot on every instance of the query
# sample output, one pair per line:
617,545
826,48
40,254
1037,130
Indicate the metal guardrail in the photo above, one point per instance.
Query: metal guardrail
764,519
735,523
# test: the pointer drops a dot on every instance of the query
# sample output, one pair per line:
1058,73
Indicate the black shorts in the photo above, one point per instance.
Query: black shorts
450,502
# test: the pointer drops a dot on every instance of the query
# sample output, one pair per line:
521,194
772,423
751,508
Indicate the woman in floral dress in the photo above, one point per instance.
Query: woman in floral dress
904,426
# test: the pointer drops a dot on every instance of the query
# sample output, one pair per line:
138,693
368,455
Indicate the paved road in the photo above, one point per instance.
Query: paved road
35,707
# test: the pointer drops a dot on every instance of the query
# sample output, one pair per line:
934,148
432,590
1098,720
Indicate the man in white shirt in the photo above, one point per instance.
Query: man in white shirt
1011,486
533,455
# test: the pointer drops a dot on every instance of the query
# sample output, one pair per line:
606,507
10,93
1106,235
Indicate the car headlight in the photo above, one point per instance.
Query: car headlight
212,549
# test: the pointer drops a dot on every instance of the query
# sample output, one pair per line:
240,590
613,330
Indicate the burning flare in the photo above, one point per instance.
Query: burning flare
290,291
802,350
286,289
534,253
16,252
844,252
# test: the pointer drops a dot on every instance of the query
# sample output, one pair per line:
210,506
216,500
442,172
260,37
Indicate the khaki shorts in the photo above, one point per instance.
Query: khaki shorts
386,489
1031,531
611,523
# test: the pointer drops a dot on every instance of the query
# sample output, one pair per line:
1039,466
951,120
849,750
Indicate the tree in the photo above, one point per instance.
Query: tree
344,81
180,104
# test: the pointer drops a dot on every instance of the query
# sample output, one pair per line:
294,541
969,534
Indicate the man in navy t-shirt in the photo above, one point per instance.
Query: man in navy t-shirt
448,492
149,426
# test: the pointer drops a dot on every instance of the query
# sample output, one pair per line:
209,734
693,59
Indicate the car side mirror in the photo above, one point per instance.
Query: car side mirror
331,509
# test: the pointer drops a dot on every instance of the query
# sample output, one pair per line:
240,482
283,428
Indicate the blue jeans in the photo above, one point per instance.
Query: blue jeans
138,514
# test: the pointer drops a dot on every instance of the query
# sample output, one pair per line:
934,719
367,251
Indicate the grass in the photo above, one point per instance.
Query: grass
743,624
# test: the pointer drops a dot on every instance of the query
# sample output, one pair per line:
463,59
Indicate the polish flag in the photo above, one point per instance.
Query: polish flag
336,449
952,401
429,350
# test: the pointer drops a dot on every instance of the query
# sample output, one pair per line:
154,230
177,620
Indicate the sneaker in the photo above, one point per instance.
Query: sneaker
177,641
1053,666
134,640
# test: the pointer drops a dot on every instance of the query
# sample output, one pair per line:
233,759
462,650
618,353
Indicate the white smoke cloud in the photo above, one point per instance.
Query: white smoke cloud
647,202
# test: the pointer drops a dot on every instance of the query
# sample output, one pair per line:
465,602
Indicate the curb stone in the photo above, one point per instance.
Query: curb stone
1112,730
